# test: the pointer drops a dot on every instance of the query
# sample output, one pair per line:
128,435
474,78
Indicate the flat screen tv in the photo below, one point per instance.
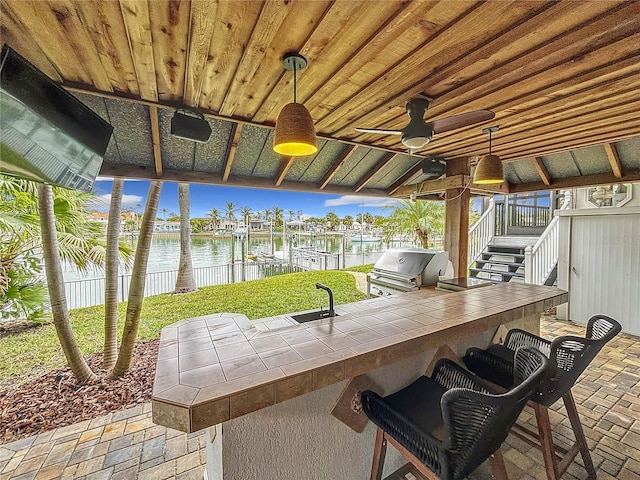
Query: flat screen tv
46,134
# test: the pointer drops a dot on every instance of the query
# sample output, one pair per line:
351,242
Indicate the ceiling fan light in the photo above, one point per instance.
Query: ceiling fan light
489,171
294,135
416,142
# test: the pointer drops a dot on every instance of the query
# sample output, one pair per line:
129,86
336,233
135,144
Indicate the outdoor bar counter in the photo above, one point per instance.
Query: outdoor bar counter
268,387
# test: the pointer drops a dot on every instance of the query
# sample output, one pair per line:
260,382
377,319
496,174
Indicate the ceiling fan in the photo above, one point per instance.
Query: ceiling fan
418,133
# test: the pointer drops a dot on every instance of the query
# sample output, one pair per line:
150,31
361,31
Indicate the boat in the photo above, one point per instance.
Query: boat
240,231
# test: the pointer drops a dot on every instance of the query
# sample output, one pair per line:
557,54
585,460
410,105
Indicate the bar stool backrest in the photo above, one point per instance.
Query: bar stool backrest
477,423
569,355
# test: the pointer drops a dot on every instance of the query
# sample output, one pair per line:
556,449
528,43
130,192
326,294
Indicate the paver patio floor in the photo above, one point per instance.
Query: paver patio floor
127,445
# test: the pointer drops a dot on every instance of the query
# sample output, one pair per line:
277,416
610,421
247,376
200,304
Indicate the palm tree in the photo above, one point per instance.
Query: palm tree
136,290
368,218
348,220
332,219
185,282
418,219
22,292
230,211
277,216
77,240
111,277
55,283
214,215
246,215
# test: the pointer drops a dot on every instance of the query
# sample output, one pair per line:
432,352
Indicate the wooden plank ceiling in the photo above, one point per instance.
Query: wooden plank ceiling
558,75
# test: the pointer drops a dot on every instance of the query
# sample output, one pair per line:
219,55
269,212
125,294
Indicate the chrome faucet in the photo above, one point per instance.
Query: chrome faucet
332,312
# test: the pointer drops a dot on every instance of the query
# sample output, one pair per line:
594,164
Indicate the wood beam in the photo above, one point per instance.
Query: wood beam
407,177
339,161
377,167
456,230
286,165
155,136
173,105
614,159
542,170
191,176
576,182
231,154
433,186
614,133
501,189
567,118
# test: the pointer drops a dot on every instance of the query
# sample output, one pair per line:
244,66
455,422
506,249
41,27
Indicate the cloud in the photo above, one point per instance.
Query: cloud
359,200
102,202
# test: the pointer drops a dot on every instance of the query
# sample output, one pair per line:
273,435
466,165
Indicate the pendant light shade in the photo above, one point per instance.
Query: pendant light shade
489,169
294,135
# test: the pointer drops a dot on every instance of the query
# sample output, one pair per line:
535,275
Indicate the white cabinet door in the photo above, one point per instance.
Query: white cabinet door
605,269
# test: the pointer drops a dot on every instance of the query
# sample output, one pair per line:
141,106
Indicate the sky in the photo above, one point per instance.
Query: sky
206,197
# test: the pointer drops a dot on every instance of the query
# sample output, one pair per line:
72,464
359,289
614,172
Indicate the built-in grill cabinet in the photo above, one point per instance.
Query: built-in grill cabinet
406,269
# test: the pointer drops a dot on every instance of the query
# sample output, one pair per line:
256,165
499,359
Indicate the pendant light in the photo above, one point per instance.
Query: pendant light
489,169
294,135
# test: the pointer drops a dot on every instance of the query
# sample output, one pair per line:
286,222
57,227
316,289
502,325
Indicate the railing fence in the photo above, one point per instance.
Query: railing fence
540,260
481,233
90,292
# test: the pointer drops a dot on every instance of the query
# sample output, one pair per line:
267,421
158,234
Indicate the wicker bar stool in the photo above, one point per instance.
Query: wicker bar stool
568,356
447,425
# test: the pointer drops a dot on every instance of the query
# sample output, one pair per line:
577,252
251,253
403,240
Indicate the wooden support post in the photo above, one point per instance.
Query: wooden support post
456,233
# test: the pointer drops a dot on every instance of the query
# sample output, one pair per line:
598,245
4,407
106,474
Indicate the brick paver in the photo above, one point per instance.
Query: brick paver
122,445
127,445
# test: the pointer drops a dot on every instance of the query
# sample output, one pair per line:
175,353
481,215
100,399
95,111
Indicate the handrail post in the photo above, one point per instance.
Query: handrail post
528,264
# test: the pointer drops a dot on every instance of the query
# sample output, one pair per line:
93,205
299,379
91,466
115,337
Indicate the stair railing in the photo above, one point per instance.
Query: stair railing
541,259
481,233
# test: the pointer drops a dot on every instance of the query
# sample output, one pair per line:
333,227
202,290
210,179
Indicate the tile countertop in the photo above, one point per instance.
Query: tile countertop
214,368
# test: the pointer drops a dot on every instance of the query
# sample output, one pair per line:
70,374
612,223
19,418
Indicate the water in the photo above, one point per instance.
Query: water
208,251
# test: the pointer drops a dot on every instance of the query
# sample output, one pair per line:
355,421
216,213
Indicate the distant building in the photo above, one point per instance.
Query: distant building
163,226
129,219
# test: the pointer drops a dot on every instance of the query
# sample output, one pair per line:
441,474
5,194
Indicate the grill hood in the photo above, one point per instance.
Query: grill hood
409,262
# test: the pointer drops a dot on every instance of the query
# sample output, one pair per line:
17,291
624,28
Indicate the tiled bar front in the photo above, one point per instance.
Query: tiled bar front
218,368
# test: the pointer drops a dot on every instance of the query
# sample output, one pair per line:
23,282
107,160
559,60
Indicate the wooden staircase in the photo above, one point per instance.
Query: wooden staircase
500,263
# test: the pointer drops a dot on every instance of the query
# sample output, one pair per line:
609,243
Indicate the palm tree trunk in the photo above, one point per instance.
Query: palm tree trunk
423,235
138,274
55,284
185,281
111,277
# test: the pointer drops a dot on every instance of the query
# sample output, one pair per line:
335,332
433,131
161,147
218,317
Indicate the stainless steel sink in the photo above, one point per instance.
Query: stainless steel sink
310,316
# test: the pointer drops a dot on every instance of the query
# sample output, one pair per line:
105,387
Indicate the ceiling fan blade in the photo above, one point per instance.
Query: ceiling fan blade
462,120
382,132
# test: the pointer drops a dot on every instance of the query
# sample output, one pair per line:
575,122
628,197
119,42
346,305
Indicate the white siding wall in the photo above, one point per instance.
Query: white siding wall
600,264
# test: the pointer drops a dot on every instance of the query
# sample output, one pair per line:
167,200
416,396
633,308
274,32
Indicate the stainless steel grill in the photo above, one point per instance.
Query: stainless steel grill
406,269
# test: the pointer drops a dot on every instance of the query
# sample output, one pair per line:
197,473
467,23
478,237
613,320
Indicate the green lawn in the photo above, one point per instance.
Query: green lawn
37,350
362,268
